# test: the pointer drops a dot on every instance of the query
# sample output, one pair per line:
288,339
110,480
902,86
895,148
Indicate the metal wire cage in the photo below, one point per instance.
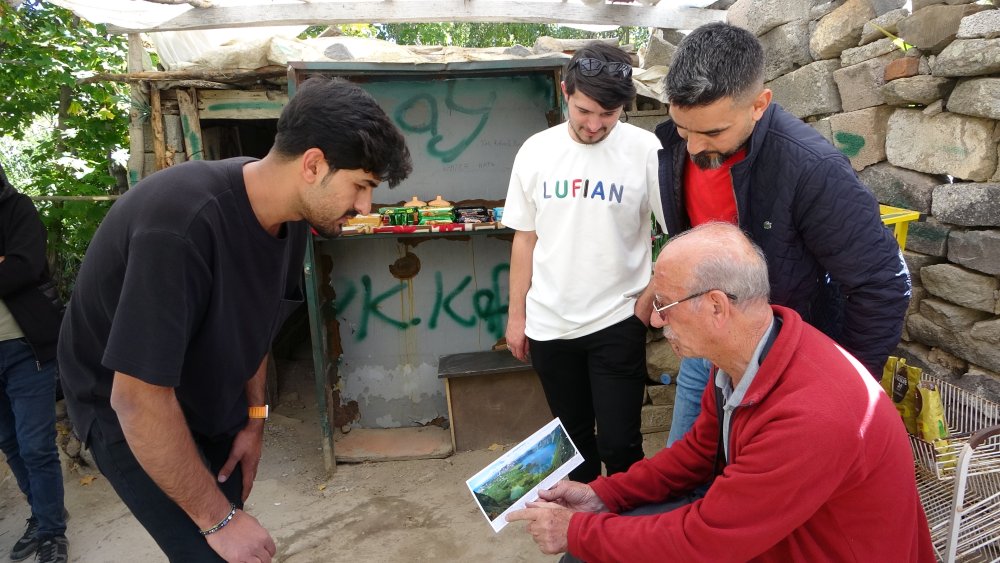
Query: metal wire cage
959,478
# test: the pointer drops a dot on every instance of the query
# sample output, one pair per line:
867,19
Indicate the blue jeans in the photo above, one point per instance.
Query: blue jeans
28,432
692,378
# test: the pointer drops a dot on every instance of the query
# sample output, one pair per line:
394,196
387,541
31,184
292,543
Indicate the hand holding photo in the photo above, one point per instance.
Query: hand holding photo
513,480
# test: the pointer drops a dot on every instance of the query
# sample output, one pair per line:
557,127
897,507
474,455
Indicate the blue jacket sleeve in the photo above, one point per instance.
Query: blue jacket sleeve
841,225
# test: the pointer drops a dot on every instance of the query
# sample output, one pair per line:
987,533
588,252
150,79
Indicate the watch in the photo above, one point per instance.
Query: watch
260,412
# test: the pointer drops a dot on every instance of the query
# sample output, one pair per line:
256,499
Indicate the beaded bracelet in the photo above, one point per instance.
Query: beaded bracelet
222,523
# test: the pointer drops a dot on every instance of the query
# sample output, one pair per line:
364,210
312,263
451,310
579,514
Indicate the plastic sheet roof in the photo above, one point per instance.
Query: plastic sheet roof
124,16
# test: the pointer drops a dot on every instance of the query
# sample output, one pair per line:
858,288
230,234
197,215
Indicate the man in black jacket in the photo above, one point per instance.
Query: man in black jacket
29,326
731,155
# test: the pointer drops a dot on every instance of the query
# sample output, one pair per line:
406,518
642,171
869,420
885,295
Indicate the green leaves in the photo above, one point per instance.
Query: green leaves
56,136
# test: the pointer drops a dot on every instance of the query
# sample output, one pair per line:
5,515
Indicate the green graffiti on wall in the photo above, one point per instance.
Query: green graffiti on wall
430,122
488,304
849,143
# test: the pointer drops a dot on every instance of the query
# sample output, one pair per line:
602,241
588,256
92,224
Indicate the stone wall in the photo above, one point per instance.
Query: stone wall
921,129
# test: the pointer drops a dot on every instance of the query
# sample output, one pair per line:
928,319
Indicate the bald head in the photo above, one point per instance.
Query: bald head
716,256
710,292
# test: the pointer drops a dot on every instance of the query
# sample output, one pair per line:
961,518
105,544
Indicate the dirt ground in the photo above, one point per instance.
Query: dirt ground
386,511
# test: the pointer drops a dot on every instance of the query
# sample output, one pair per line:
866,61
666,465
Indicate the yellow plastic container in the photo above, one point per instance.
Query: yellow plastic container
900,219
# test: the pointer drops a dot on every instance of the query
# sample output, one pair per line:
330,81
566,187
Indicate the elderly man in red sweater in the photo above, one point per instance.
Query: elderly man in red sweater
809,457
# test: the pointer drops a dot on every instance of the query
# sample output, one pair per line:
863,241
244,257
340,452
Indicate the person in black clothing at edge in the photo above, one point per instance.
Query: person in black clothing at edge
730,154
29,324
163,351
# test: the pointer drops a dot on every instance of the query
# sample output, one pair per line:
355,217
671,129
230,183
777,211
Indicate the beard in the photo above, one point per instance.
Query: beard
325,228
710,160
328,230
326,233
579,133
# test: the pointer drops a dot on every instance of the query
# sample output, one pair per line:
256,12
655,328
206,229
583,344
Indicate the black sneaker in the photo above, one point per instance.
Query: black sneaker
28,544
53,549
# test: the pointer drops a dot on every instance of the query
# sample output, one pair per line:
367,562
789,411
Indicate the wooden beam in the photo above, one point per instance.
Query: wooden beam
175,138
424,11
271,71
240,104
159,139
194,145
137,100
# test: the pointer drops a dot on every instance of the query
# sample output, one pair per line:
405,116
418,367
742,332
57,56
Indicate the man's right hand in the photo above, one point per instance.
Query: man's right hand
517,342
574,496
243,539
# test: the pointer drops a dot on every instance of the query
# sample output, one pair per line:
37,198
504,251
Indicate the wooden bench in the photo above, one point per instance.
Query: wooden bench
493,398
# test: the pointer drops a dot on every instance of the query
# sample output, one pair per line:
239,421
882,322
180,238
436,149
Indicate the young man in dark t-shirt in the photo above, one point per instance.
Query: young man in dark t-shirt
163,350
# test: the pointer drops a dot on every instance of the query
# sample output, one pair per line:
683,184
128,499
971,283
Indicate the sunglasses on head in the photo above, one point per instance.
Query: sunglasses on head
593,67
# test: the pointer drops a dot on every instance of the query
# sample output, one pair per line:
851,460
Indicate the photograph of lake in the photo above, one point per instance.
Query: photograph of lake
522,469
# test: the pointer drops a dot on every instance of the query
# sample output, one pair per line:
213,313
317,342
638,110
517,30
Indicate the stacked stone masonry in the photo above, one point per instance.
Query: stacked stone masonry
921,126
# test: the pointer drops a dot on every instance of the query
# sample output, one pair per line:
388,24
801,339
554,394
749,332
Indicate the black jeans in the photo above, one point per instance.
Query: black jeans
171,527
598,378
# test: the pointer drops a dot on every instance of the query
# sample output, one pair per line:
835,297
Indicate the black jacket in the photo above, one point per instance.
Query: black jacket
25,285
800,201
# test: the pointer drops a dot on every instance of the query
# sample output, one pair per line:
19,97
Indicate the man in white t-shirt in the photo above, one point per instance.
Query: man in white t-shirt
580,199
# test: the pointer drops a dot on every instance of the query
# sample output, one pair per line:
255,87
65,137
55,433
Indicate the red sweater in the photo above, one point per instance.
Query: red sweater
820,470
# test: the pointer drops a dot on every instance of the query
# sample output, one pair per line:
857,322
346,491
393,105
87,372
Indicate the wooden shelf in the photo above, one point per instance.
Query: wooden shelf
448,234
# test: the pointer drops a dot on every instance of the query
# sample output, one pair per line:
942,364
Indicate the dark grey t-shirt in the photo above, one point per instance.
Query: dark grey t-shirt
180,287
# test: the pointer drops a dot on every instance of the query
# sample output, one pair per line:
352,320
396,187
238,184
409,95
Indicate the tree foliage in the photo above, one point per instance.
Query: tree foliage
59,137
460,34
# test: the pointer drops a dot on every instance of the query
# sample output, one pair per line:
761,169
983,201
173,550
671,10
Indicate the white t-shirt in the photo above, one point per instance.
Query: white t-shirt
590,207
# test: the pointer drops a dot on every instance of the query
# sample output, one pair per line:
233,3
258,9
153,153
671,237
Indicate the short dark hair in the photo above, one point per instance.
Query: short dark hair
347,124
608,90
715,61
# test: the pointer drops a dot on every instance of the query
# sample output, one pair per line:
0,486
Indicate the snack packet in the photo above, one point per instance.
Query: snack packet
887,373
902,389
931,426
436,215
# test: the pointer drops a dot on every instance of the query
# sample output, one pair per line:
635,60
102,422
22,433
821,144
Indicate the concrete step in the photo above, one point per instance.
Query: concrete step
392,444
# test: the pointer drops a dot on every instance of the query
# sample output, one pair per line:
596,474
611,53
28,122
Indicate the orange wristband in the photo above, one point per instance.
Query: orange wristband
260,412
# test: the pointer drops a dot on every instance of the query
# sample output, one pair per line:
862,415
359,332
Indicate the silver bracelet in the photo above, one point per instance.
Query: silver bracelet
222,523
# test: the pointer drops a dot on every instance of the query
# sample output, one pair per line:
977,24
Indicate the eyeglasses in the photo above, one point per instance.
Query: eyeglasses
662,309
593,67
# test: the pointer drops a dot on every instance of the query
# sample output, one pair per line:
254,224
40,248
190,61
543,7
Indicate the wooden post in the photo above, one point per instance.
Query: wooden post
175,138
137,102
194,146
156,120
